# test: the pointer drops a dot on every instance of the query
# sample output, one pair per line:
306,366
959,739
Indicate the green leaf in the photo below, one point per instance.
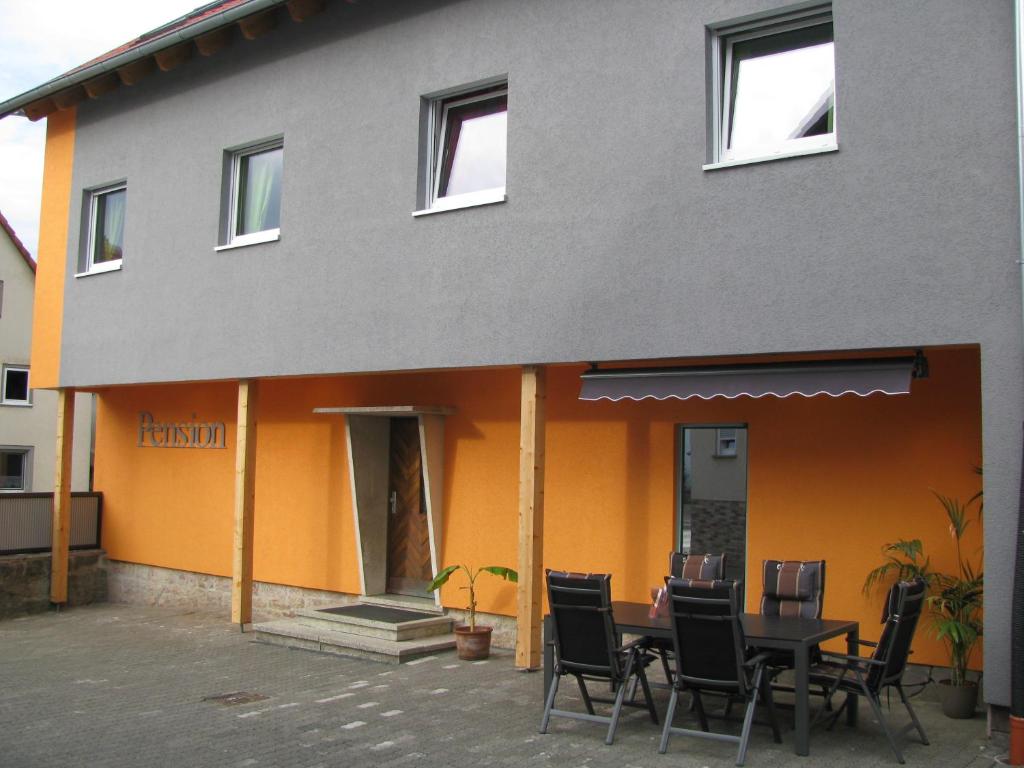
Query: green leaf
502,571
441,578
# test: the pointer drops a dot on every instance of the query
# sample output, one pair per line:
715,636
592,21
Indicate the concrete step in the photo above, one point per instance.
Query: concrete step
384,622
295,634
423,604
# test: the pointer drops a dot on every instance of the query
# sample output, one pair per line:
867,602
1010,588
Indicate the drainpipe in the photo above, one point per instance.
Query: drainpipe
1016,756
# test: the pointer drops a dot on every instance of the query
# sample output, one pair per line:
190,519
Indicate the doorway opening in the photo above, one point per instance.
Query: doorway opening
711,509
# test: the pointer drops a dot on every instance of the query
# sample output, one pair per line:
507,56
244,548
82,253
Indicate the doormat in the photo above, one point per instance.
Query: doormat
378,613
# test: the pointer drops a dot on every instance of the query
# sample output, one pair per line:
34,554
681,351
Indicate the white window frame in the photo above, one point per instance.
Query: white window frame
723,37
437,131
91,268
4,400
234,240
26,474
722,452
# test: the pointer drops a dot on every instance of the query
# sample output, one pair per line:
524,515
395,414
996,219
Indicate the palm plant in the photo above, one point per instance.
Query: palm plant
498,570
955,599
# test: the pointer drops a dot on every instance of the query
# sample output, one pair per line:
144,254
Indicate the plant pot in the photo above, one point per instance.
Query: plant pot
473,644
958,701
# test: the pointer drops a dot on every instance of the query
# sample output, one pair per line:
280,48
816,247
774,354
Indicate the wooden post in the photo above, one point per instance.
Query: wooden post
61,531
245,495
531,518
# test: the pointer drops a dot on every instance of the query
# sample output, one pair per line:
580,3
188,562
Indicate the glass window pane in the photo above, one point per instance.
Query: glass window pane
259,191
15,385
475,147
12,470
109,236
782,88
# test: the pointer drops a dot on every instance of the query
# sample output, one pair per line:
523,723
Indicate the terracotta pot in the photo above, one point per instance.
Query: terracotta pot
473,644
958,701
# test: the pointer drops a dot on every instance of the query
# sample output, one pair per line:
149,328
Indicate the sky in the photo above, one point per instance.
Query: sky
40,39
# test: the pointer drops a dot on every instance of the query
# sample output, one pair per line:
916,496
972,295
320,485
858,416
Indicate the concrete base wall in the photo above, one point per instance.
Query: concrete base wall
167,587
25,581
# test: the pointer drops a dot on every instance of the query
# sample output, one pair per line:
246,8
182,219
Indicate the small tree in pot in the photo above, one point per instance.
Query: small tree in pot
955,601
471,641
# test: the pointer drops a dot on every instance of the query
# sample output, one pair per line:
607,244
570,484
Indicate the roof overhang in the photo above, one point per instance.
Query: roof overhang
863,377
204,30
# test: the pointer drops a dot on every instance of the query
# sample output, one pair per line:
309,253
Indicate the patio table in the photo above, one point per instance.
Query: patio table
776,632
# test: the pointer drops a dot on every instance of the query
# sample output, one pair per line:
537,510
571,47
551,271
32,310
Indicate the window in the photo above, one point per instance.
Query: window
15,469
775,87
725,442
106,229
14,388
255,200
468,148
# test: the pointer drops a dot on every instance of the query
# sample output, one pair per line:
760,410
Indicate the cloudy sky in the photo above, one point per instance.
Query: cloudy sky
40,39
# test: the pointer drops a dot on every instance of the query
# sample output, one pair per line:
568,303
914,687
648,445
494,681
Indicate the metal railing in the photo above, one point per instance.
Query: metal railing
26,522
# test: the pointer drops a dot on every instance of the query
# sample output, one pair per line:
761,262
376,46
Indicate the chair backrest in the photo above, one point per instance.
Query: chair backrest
793,588
684,565
903,607
707,634
584,630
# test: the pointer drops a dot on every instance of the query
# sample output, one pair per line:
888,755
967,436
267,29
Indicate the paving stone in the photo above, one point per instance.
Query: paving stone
122,685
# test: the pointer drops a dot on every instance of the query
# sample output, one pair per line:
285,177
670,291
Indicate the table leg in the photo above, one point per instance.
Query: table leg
802,714
853,649
549,657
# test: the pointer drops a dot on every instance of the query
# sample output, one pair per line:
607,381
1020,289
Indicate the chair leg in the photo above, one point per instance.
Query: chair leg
549,703
913,715
667,730
620,696
642,675
876,707
769,700
698,704
585,694
748,719
664,665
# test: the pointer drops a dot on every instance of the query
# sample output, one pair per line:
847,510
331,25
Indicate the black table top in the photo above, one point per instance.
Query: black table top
763,631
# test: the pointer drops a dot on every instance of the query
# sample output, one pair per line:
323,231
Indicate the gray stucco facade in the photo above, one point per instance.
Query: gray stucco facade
614,243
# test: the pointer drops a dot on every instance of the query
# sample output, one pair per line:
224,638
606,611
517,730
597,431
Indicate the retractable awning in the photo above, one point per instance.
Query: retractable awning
888,375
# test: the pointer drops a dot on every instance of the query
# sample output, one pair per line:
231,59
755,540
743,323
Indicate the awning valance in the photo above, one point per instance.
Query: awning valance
889,376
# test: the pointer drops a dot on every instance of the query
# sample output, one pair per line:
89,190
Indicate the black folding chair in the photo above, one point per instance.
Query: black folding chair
684,565
585,647
869,676
711,657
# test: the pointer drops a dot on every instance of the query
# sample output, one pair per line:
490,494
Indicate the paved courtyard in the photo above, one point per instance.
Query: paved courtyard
118,685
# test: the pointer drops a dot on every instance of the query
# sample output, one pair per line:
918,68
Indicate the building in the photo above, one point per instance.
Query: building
448,245
28,416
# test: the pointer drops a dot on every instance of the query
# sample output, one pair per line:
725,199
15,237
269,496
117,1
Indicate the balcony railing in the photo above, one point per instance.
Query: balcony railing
26,522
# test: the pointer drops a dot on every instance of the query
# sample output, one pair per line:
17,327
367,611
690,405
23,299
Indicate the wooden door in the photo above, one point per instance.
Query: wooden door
409,569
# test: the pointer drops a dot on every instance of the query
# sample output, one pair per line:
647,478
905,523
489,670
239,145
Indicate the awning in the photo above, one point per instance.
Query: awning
888,375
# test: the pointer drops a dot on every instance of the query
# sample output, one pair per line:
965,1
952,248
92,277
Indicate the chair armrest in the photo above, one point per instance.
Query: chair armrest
854,659
868,643
760,658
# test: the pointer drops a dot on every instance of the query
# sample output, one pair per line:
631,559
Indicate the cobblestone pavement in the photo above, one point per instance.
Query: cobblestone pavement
118,685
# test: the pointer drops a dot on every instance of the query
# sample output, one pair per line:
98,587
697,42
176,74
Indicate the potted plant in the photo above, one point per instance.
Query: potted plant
472,642
955,601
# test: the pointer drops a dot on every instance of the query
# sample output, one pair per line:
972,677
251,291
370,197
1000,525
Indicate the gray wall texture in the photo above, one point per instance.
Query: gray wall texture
613,244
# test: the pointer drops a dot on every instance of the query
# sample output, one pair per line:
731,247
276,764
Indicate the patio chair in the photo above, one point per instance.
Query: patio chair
585,647
793,588
712,657
683,565
884,668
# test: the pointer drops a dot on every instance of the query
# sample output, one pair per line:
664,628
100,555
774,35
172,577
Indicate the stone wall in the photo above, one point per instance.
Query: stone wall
25,581
151,585
719,526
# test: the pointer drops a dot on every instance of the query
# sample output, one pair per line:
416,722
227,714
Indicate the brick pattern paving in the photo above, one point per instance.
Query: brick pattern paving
118,685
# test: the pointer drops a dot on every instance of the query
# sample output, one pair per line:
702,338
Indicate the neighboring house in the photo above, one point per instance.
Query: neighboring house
28,416
412,227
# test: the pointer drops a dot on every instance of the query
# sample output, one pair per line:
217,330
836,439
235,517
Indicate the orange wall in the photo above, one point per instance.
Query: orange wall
828,478
53,249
